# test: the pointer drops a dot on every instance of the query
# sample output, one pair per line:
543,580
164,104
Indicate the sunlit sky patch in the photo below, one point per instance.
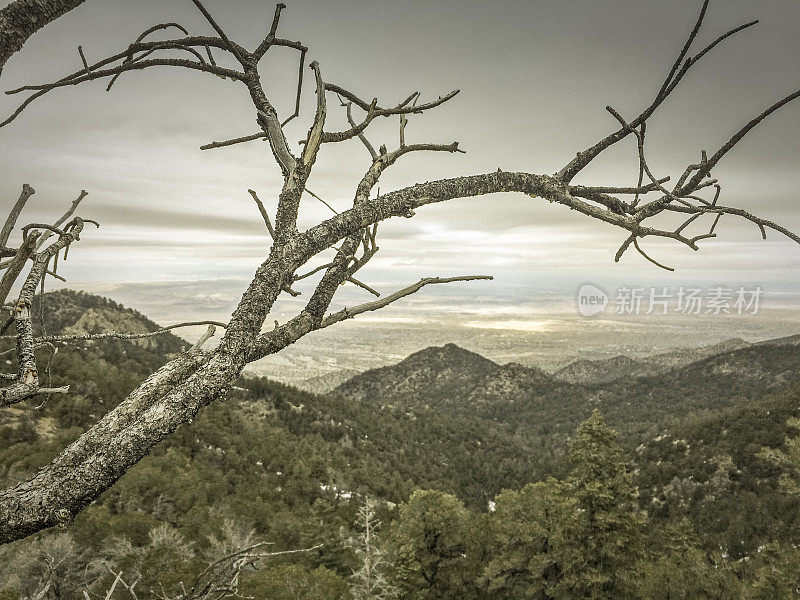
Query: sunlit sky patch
513,325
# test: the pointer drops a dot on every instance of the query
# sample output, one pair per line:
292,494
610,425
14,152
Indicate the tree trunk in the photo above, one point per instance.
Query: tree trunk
22,18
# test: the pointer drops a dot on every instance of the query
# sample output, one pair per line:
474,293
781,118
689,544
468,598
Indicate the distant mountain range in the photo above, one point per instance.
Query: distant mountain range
586,371
617,367
634,393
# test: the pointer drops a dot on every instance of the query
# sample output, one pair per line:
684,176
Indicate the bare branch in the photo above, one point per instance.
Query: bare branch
373,111
762,224
17,264
221,577
235,50
271,125
204,338
336,212
118,577
404,122
705,170
83,59
247,138
159,27
625,245
296,112
312,272
274,28
292,292
282,336
27,384
344,265
11,220
314,138
141,57
63,218
264,213
349,313
401,202
361,136
676,74
652,260
270,39
363,285
138,65
124,336
688,222
176,44
676,65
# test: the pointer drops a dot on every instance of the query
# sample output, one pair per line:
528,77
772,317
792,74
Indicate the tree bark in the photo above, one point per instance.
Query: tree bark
22,18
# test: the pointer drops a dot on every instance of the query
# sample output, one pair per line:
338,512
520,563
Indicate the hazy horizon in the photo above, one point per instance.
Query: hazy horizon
546,332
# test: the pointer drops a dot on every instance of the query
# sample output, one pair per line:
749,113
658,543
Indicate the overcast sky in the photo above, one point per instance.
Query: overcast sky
535,78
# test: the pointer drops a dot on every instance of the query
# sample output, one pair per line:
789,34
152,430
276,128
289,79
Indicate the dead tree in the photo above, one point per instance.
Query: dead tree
220,578
368,581
175,393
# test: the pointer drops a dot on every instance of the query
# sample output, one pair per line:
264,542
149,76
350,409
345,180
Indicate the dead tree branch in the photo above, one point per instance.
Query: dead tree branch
11,220
22,18
175,393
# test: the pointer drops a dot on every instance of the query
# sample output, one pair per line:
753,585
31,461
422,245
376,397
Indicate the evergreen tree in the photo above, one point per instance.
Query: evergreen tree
529,530
679,569
295,582
787,459
430,548
606,546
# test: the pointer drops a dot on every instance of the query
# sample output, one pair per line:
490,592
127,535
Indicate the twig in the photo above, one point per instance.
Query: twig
363,285
336,212
349,313
63,218
652,260
204,338
296,112
264,213
234,49
124,336
247,138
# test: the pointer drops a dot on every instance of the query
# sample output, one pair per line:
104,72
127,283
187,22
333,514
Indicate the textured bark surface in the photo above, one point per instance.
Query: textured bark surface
22,18
99,457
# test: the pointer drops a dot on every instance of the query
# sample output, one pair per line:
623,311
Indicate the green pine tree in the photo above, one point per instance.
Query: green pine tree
605,548
679,569
529,538
431,550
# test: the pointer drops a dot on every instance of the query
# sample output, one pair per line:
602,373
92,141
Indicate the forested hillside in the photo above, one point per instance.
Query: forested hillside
490,481
536,403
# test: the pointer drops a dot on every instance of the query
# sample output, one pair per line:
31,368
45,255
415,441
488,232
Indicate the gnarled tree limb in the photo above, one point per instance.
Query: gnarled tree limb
175,393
